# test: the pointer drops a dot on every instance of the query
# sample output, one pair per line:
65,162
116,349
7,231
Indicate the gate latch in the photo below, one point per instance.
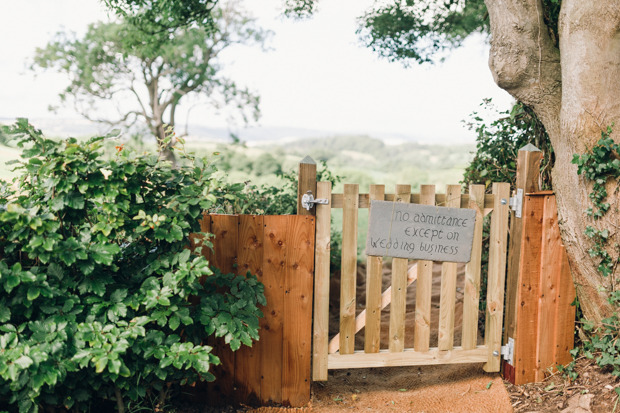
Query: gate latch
308,201
508,351
516,203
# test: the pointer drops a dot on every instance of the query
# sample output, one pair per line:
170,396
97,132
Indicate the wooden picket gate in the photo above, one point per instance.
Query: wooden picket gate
341,354
279,250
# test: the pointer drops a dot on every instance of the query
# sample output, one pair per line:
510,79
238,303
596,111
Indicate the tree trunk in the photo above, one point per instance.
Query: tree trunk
575,94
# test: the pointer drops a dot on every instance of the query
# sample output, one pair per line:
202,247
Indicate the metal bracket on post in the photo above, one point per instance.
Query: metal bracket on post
508,351
308,201
516,203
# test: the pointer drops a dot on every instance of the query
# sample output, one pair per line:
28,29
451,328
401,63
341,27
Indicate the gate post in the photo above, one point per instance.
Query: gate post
306,182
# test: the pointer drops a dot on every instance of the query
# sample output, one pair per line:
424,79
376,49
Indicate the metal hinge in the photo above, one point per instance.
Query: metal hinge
516,203
308,201
508,351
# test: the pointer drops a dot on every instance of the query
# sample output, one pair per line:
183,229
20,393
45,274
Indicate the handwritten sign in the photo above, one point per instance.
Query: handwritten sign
425,232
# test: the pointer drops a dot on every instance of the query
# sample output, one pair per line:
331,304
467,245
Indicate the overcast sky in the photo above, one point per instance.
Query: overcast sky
317,76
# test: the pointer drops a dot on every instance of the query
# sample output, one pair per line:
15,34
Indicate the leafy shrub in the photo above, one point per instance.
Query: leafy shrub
96,276
498,143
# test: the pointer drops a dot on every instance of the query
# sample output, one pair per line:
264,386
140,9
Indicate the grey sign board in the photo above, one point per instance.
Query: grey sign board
424,232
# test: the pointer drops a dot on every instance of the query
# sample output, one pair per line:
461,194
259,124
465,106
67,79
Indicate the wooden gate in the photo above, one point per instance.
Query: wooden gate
341,353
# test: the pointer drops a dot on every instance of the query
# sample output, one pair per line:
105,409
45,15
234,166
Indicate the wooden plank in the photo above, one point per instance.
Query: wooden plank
386,299
440,199
398,308
321,284
526,332
422,337
274,271
471,301
297,334
565,315
374,275
226,231
498,245
528,173
550,265
408,357
447,300
306,182
349,269
247,359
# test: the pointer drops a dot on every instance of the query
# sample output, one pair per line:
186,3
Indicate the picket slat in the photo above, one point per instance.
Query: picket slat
447,300
565,316
297,331
374,268
398,307
274,271
348,273
247,359
551,262
472,272
424,286
321,283
226,231
498,244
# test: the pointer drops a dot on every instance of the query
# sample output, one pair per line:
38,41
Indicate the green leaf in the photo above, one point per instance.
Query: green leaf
174,322
23,362
5,314
55,270
75,200
33,292
118,295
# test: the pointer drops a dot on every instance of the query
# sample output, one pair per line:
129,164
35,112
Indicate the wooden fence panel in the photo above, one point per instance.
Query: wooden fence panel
398,307
226,231
529,289
274,273
248,360
551,261
297,333
447,300
321,283
424,287
348,273
471,301
565,314
374,275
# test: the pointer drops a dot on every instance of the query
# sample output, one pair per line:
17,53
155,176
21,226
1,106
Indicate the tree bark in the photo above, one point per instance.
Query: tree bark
575,94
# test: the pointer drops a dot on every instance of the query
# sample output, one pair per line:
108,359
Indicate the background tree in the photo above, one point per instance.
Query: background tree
561,58
115,65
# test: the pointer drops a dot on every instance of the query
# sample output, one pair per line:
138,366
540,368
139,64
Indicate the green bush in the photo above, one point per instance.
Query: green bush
96,276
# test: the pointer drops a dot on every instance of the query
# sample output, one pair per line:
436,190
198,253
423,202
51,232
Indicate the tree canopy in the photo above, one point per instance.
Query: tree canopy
115,64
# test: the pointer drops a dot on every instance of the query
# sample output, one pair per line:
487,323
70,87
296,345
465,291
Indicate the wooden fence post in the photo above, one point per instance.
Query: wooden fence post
306,182
528,175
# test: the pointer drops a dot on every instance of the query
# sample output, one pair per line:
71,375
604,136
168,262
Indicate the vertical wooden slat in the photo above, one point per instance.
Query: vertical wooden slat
297,334
498,244
565,316
528,173
321,284
307,182
447,300
226,231
526,331
472,272
374,275
349,269
398,307
424,287
550,266
274,271
247,359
